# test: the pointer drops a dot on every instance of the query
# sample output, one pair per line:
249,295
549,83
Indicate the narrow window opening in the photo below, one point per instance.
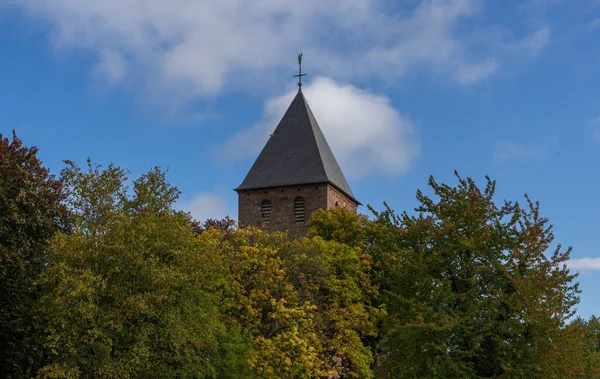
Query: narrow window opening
336,204
299,209
265,211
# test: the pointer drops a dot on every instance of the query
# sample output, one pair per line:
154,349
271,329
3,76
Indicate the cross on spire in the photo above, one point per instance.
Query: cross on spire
300,74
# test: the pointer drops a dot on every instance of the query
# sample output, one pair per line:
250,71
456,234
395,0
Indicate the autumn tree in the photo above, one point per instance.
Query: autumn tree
338,224
470,287
124,293
139,289
225,224
581,340
127,286
335,278
303,304
31,211
257,296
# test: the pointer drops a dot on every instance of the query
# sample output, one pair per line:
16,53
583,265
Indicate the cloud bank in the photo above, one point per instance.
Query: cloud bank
366,133
185,49
207,205
584,264
510,151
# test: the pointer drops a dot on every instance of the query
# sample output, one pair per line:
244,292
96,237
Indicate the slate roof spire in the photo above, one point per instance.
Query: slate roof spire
296,154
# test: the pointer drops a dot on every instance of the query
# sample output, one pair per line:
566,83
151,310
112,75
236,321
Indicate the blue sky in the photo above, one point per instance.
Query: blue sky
402,89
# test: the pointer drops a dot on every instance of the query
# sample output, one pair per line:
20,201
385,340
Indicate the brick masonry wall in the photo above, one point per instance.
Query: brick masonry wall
336,199
282,206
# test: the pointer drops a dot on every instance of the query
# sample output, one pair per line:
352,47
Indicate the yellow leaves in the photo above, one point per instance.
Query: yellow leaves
58,371
138,294
132,292
135,303
299,300
290,353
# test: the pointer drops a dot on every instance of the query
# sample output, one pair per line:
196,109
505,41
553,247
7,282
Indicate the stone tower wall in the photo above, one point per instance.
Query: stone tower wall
337,199
282,206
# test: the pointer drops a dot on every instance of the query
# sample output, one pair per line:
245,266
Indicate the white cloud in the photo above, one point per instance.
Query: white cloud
193,48
111,66
473,73
584,264
206,206
366,133
538,40
507,151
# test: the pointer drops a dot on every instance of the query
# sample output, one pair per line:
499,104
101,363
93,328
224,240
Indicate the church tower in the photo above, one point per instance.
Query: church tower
294,175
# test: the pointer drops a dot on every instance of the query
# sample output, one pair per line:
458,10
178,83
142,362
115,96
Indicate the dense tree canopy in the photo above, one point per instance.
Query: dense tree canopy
102,280
31,211
124,293
469,287
137,289
584,341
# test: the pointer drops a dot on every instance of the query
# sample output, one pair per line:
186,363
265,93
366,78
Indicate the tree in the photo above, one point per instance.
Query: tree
31,211
338,224
591,341
334,277
472,291
469,287
225,224
303,304
581,340
124,294
258,297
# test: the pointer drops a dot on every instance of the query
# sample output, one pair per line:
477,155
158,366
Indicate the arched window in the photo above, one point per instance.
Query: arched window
299,209
336,204
265,211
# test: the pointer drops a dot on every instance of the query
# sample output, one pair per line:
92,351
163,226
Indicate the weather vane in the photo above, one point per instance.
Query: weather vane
300,74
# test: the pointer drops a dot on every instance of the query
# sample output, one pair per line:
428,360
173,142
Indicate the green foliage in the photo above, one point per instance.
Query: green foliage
585,340
304,304
335,278
337,224
469,287
102,280
470,290
256,296
124,293
30,213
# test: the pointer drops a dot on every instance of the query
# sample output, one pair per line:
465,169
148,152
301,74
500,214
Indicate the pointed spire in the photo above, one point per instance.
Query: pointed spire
296,154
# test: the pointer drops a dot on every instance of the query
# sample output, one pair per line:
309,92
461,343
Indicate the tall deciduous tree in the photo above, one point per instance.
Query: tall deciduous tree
304,304
30,213
470,287
584,339
124,293
257,295
334,277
